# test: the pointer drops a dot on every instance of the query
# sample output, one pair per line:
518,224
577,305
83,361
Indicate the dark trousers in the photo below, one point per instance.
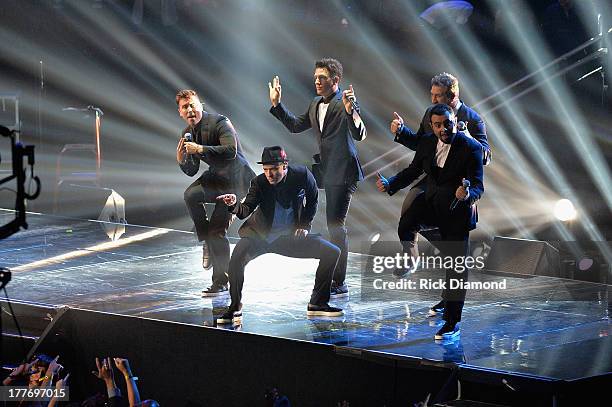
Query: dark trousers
338,200
430,232
213,228
248,248
454,242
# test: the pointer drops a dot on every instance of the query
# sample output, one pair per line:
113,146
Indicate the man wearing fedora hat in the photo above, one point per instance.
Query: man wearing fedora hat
280,206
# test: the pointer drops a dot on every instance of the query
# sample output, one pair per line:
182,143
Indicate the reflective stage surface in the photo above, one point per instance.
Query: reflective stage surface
540,326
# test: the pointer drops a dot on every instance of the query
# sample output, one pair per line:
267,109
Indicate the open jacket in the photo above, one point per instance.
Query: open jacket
297,189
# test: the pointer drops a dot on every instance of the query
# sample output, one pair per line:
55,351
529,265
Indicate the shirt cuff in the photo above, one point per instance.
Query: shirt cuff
114,392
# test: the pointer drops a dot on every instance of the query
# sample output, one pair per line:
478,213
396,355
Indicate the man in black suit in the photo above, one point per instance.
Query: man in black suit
280,207
334,117
445,90
448,158
211,138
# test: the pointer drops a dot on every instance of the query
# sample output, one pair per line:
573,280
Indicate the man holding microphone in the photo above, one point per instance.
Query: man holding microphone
211,138
336,122
453,164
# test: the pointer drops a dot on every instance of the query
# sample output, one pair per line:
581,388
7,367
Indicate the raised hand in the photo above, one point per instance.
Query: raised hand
275,91
396,123
347,95
23,369
62,382
301,233
54,367
20,371
228,199
105,370
123,365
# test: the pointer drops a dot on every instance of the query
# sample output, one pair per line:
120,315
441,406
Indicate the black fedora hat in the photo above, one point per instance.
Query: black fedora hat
273,155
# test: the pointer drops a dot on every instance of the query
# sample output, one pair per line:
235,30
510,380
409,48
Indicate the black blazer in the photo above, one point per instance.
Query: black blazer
298,189
464,161
222,152
336,143
475,125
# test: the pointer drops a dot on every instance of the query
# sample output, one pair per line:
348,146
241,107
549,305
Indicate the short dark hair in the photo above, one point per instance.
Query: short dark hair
439,110
333,66
449,82
185,94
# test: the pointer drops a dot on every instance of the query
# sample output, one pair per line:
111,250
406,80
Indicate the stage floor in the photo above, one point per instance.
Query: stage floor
547,327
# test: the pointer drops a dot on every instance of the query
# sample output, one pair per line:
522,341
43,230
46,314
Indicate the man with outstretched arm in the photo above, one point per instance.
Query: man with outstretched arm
444,90
452,162
280,207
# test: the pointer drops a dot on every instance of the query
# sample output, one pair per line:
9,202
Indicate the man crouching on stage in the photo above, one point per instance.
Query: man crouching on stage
454,182
281,204
212,139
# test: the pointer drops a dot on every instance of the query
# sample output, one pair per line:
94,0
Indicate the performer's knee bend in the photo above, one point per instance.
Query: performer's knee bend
217,233
191,194
407,230
242,251
329,249
238,261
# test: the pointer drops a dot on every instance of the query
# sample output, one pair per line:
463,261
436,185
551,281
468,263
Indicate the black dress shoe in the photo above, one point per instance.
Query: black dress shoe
437,309
449,330
231,316
323,311
215,290
400,272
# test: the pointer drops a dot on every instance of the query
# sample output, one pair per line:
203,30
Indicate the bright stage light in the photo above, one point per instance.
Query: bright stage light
564,210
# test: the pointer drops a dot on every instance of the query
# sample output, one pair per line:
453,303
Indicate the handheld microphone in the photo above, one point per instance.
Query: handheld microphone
353,101
188,138
384,180
466,185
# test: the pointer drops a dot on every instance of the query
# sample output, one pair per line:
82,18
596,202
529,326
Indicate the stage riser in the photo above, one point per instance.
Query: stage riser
186,365
32,318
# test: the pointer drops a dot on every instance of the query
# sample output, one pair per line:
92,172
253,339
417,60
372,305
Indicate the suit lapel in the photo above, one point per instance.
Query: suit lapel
461,112
431,155
313,113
